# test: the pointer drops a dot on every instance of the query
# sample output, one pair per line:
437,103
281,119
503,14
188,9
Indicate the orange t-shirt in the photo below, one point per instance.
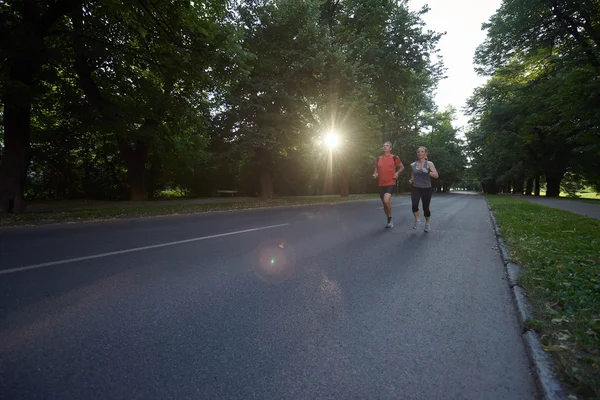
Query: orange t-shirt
386,168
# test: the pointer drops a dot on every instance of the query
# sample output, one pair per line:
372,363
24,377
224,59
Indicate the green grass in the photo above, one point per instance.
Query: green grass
595,196
580,195
172,194
560,253
100,214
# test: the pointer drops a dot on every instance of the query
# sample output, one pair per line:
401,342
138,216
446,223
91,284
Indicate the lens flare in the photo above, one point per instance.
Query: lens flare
274,261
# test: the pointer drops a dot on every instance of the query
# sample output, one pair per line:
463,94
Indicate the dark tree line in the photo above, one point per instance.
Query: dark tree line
536,121
122,99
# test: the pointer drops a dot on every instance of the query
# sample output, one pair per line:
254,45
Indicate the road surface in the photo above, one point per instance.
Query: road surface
306,302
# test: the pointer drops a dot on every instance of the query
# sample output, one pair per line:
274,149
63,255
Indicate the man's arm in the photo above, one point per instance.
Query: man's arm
400,169
375,173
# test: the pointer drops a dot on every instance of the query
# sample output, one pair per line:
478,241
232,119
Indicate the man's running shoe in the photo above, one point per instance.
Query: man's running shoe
390,225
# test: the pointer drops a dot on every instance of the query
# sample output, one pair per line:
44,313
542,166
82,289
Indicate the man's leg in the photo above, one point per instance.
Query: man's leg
387,204
386,195
381,193
388,209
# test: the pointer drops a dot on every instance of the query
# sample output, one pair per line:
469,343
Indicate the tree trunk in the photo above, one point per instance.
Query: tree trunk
555,169
518,186
25,64
490,187
529,187
17,150
266,185
344,177
537,186
135,154
136,157
17,127
552,186
266,182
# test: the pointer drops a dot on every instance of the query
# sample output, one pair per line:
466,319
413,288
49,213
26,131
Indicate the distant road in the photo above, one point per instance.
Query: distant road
290,303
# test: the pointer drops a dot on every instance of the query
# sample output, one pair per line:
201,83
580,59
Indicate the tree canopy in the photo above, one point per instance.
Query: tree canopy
114,99
537,118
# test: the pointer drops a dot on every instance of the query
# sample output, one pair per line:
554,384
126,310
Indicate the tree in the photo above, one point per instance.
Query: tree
445,148
26,29
548,91
269,112
149,70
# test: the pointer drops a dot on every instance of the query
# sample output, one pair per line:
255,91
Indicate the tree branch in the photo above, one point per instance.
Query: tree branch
571,28
84,72
57,10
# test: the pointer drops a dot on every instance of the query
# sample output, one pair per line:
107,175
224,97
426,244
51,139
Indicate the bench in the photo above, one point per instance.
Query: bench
231,192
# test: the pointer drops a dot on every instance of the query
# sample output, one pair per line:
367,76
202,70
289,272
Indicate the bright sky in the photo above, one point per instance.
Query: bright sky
461,20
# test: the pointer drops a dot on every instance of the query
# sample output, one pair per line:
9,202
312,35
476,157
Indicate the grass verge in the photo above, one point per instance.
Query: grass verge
114,212
560,253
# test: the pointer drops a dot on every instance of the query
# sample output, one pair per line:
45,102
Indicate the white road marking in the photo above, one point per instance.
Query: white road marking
154,246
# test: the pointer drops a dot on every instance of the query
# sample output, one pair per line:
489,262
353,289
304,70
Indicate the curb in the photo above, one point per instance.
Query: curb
548,384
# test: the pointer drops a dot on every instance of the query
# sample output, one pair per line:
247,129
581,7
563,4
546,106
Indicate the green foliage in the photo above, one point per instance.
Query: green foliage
201,95
560,253
444,148
538,114
571,185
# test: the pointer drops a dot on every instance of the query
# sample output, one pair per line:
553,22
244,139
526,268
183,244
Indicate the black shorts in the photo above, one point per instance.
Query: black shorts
386,189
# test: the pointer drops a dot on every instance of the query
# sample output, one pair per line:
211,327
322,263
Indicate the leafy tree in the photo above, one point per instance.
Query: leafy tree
149,69
543,56
25,30
269,111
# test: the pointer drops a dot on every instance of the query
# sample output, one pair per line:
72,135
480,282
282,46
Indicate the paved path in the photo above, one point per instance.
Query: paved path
307,302
575,206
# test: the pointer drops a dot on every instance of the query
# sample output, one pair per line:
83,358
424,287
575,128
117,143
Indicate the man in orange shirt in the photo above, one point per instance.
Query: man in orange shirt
385,170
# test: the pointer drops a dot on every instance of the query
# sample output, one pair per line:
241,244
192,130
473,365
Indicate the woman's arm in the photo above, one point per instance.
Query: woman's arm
432,171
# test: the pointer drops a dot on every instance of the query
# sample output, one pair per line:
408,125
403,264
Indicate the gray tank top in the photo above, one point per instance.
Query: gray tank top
422,179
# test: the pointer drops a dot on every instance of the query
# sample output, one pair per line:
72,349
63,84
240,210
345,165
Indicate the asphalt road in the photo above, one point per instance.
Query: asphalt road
297,303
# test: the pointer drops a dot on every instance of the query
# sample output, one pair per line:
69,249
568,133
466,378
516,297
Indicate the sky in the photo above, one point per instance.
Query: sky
461,20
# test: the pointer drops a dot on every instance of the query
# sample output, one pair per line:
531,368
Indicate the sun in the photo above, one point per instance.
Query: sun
332,140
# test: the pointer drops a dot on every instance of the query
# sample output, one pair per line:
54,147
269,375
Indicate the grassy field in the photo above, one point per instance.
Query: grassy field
585,195
129,210
560,253
580,195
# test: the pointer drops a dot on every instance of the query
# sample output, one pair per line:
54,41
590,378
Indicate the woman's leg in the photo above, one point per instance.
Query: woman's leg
415,197
426,196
